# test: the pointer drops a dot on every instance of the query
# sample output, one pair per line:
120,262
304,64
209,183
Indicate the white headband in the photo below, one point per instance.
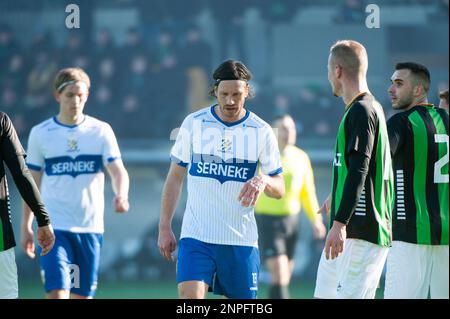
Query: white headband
64,84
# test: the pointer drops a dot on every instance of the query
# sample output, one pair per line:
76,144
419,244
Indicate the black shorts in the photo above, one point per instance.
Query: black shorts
277,235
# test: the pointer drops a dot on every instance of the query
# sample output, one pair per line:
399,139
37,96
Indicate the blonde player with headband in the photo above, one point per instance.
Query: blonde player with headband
67,155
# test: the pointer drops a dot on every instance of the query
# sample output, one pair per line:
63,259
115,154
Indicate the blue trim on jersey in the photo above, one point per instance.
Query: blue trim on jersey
247,114
34,167
234,169
276,172
112,159
69,126
176,160
66,165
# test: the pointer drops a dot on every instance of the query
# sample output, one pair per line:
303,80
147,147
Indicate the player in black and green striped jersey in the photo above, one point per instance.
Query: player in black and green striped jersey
418,262
362,188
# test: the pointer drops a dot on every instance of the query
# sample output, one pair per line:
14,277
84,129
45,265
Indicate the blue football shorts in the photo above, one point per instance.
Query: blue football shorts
228,270
73,263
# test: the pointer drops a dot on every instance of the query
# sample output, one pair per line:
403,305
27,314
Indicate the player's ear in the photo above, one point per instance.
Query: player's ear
57,96
215,90
338,71
418,90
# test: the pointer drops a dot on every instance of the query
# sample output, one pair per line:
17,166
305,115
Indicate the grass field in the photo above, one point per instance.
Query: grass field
157,290
149,290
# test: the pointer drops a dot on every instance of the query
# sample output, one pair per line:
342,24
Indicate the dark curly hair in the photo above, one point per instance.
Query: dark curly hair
231,70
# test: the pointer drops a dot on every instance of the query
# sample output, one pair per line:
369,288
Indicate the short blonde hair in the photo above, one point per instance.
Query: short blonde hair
444,95
70,75
351,55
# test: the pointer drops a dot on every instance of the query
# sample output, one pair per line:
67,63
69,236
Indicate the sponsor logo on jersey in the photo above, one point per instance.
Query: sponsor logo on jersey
66,165
211,166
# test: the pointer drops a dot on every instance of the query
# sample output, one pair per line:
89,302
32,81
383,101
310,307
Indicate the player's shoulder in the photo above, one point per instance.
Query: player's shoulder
367,107
95,122
45,125
367,103
4,122
442,112
398,118
203,114
254,120
4,118
3,115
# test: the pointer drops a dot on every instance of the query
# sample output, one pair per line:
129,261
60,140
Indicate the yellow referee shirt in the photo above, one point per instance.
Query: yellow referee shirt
299,185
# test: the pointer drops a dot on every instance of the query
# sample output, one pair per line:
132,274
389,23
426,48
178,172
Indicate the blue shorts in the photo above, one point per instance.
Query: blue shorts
73,263
228,270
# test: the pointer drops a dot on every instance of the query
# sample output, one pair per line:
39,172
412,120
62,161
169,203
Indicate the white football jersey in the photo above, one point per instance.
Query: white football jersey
73,159
220,157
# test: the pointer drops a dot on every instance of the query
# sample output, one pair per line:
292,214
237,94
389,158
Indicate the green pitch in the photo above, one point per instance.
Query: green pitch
150,290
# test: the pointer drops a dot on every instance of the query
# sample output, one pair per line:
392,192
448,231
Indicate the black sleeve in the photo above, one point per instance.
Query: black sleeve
14,156
354,183
396,131
361,129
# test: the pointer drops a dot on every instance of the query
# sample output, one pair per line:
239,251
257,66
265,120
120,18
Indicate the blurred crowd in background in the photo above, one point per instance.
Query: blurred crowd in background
151,63
161,68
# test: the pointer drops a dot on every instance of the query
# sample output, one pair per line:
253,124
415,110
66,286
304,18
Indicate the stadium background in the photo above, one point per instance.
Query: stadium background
150,63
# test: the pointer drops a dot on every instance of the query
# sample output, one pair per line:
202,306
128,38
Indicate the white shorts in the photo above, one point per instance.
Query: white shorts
355,274
9,288
414,270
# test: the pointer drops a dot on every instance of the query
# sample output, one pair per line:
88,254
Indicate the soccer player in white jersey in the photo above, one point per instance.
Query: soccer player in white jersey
67,155
219,148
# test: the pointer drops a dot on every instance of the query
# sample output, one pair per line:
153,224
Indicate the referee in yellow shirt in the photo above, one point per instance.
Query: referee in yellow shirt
278,219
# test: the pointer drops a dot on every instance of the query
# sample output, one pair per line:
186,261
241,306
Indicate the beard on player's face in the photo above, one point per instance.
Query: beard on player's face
402,103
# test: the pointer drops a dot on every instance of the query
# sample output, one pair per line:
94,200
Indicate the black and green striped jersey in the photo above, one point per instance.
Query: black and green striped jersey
363,134
419,145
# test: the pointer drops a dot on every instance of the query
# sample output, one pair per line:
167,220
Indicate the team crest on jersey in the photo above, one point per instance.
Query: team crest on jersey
72,143
226,146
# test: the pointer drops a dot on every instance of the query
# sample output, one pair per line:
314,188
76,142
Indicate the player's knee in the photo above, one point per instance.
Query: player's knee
191,290
77,296
58,294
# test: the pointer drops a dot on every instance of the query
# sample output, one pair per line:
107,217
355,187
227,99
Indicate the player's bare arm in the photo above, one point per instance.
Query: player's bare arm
121,184
167,242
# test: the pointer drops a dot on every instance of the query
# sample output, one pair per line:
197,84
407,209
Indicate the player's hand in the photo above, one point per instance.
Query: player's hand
27,241
318,228
121,204
325,206
251,191
45,238
335,240
166,243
